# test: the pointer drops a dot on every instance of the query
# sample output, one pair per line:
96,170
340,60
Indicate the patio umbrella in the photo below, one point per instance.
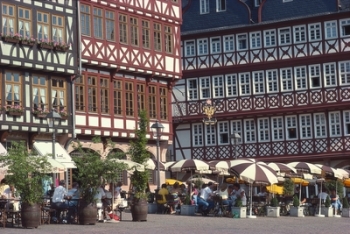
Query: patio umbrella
220,167
253,172
306,167
167,165
281,167
205,180
151,164
172,181
189,165
344,172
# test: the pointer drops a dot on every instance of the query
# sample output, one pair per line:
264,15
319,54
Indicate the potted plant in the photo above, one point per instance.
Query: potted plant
40,112
25,173
13,110
30,41
61,46
345,211
12,37
238,210
63,113
327,209
139,179
187,208
274,209
45,44
92,172
296,210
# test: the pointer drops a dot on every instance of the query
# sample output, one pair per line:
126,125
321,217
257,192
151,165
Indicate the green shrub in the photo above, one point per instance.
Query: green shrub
296,201
327,203
238,202
274,202
345,202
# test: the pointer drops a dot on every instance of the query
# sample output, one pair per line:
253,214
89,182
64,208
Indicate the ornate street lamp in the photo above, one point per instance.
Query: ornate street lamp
51,118
157,129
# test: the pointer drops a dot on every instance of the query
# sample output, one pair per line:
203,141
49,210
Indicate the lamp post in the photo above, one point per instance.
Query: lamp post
51,117
234,137
157,129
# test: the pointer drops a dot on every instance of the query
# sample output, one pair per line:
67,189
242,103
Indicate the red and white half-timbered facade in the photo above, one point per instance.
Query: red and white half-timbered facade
130,59
282,85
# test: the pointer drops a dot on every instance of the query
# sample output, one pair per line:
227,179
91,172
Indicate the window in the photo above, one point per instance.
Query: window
231,85
110,25
58,94
92,94
129,99
168,39
145,34
242,42
152,100
345,27
330,74
210,134
141,97
43,26
264,130
229,43
236,127
277,128
192,87
134,32
215,45
250,135
58,28
13,91
314,32
163,92
197,134
291,127
320,125
205,87
284,36
220,5
315,76
204,6
257,3
244,80
299,34
286,75
98,21
157,37
117,97
79,94
218,85
223,133
255,40
346,122
85,20
104,95
25,22
305,126
344,72
270,38
300,78
259,82
272,83
331,29
189,48
202,46
8,19
40,90
334,124
123,33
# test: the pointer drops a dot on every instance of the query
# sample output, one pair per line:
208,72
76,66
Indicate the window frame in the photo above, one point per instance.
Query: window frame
80,95
315,73
192,93
218,86
26,33
344,27
190,48
129,98
301,78
215,46
40,87
205,89
110,25
255,40
210,135
263,129
104,87
330,74
334,124
315,32
9,17
269,38
344,72
14,83
346,121
250,131
229,43
330,29
220,5
236,127
272,81
291,122
244,84
118,97
258,82
299,34
320,125
204,7
223,130
284,36
242,37
305,125
146,34
134,31
98,21
152,101
277,128
197,134
286,79
233,86
123,28
60,91
85,18
163,94
202,46
168,39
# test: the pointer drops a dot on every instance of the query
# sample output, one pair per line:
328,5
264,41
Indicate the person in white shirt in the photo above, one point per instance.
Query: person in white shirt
323,195
100,194
204,200
240,193
58,201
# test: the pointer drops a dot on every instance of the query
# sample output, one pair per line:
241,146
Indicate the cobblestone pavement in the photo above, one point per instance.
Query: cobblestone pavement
169,224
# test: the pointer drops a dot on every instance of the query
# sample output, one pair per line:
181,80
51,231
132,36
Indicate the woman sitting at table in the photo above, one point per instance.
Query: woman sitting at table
176,192
223,193
11,194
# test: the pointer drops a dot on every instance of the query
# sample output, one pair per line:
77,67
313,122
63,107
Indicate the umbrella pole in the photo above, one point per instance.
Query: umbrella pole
319,206
251,203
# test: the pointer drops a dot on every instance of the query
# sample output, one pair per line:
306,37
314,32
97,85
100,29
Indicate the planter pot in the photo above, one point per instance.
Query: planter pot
30,215
11,40
345,212
187,209
152,208
239,212
297,211
273,211
327,211
14,113
139,209
61,49
41,116
64,117
87,213
27,43
45,46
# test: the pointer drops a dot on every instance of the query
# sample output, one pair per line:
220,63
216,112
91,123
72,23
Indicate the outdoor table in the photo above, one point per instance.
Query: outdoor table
5,211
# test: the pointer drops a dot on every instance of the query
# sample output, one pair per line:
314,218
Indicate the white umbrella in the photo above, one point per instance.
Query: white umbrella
253,172
131,165
151,164
189,165
281,167
167,165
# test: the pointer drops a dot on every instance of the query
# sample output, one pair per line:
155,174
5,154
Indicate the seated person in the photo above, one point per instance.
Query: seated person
100,195
223,193
239,192
297,194
323,195
75,195
204,200
176,192
335,201
11,193
163,192
59,201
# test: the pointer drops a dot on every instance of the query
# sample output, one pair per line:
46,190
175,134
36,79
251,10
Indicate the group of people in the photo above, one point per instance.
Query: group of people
63,199
9,193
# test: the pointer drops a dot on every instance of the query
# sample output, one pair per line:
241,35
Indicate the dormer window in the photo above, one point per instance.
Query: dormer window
220,5
257,3
204,6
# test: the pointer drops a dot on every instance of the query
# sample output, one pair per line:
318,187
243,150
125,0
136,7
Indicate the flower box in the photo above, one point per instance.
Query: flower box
61,49
28,43
11,39
64,117
14,113
45,46
40,115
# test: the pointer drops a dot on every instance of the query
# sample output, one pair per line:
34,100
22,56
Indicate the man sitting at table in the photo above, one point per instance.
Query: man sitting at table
162,193
204,200
59,201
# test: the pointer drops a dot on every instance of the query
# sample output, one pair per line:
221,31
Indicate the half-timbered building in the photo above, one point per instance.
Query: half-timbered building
276,72
129,61
37,60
